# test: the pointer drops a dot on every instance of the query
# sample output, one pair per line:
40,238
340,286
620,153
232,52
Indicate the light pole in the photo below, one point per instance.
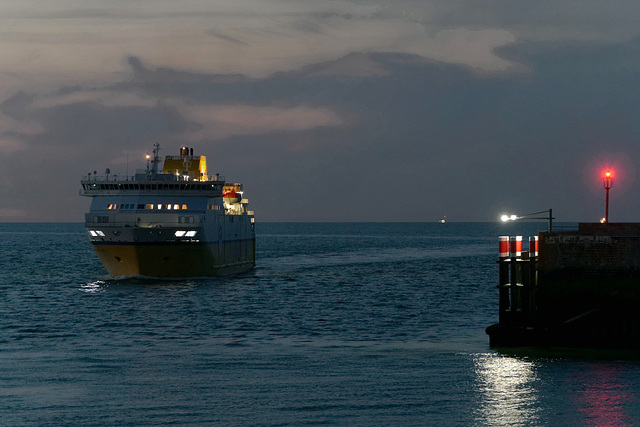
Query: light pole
607,179
506,218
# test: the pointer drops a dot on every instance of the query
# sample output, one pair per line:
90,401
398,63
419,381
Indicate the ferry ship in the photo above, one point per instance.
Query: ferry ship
173,222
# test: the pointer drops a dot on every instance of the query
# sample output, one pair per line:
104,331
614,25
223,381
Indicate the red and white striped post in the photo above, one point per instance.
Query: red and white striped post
515,252
533,247
515,246
503,247
504,285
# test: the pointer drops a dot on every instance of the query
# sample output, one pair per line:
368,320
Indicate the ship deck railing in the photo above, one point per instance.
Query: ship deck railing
154,178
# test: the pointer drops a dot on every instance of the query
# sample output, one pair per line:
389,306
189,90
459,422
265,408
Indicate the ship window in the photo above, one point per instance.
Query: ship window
140,206
184,207
191,233
149,206
176,206
110,206
180,233
93,233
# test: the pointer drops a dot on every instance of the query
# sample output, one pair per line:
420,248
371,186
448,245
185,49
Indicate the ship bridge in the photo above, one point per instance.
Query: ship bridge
164,184
185,174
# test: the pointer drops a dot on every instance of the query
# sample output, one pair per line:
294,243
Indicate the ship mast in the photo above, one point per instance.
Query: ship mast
154,162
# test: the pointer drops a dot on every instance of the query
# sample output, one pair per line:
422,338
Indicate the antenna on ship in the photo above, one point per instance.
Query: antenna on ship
154,162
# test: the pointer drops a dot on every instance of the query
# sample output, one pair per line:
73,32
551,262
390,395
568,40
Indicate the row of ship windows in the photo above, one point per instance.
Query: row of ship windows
129,206
156,206
102,219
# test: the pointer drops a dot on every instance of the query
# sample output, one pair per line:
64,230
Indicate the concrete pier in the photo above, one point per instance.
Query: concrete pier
581,290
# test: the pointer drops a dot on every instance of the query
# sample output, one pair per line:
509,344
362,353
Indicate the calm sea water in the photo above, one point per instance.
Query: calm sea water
339,324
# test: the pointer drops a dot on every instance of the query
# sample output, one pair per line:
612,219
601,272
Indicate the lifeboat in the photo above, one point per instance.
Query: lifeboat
231,197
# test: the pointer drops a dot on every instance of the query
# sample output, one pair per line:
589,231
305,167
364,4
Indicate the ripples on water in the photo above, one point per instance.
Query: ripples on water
347,324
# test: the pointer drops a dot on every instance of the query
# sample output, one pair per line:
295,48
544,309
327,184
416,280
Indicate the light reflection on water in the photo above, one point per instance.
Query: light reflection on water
507,391
602,395
515,390
177,285
95,287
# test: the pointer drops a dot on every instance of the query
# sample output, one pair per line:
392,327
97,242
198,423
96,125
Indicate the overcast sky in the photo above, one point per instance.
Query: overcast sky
388,110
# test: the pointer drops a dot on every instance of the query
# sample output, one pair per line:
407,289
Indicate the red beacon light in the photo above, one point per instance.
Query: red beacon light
607,180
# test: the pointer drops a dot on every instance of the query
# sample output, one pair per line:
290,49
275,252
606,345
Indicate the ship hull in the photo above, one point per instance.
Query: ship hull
171,260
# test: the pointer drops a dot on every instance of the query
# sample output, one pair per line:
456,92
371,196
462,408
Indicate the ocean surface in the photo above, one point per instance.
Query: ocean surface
339,324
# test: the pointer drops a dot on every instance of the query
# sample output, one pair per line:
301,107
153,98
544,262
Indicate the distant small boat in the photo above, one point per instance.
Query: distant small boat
443,220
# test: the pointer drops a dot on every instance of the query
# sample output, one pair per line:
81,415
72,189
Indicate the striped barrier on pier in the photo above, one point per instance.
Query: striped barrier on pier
512,247
518,277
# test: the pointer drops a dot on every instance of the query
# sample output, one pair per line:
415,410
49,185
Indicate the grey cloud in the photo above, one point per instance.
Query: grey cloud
162,75
18,106
216,33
